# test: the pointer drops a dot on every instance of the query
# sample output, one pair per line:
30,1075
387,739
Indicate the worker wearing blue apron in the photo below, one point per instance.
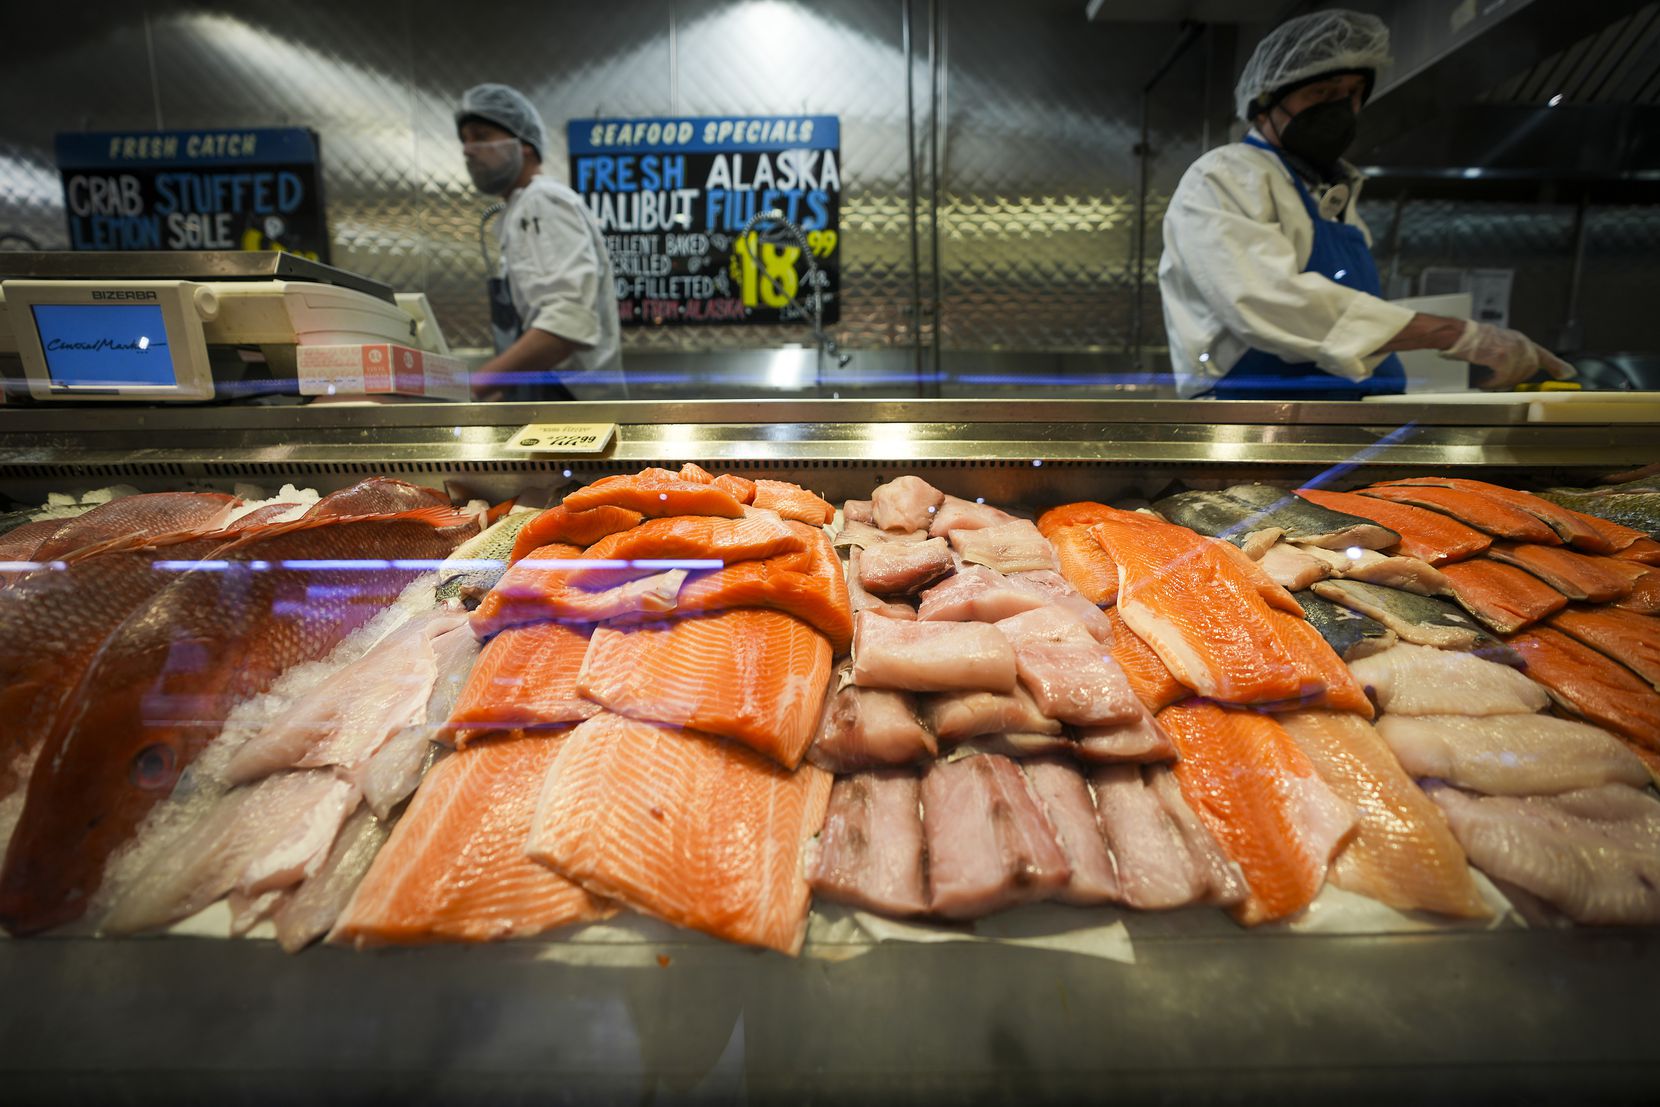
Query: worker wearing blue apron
1267,278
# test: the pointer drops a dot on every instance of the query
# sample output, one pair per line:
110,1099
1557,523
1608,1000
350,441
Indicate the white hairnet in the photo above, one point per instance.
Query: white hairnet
1308,46
508,109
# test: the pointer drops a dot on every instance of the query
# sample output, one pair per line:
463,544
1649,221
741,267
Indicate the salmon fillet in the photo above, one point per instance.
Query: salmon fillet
524,678
1577,576
690,537
741,489
1645,589
560,525
807,584
1629,638
1081,514
757,677
1484,513
1585,683
1263,800
1570,526
1085,564
1150,679
455,868
538,588
655,493
696,473
1644,550
792,502
1206,619
685,827
1402,853
1426,535
1503,597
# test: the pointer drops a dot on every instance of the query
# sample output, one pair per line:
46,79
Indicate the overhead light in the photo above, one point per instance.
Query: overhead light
1554,100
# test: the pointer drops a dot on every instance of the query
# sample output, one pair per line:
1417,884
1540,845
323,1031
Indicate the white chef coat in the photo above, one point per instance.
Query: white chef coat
1236,240
559,274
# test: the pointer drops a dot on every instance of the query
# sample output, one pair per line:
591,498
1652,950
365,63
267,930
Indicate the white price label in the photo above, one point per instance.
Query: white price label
564,438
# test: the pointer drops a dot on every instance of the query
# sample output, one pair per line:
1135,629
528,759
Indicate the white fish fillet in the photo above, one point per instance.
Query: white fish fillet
1292,567
1511,755
930,657
1593,853
905,504
1013,547
1155,868
1422,680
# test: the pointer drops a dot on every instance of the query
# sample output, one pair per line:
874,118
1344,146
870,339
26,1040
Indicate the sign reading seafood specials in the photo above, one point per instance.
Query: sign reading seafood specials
253,188
673,196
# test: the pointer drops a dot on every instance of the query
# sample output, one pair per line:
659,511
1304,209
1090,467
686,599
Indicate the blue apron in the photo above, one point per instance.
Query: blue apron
1341,254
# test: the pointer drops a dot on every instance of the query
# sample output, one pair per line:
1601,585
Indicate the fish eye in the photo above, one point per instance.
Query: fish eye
153,767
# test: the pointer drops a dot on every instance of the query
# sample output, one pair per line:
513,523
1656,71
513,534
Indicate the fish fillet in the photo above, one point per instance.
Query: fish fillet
870,853
1291,567
455,868
1084,513
1575,575
524,679
1631,639
311,910
741,489
905,503
1140,740
1350,634
1327,682
661,544
1263,800
538,588
1406,573
1420,620
1503,597
868,728
1156,870
1643,550
954,716
560,526
1420,680
1085,564
976,594
990,845
808,584
1594,854
655,493
1207,621
756,677
1427,535
1584,682
1402,853
1065,797
791,501
1645,589
1511,755
1070,675
687,828
1012,547
931,657
1569,526
958,514
903,568
1494,517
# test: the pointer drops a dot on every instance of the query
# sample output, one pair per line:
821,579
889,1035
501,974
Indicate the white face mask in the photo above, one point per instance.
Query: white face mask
494,166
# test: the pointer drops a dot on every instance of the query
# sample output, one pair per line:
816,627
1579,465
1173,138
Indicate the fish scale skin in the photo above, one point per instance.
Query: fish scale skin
169,675
691,829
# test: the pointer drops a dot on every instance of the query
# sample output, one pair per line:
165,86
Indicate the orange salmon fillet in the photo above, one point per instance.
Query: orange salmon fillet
1503,597
696,473
809,585
1149,677
1085,564
1645,589
792,502
1645,550
1326,679
757,677
1426,535
655,493
1208,622
1631,639
1570,526
1402,853
1264,802
741,488
560,525
1084,513
538,588
455,867
685,827
525,677
1586,683
1484,513
1577,576
687,537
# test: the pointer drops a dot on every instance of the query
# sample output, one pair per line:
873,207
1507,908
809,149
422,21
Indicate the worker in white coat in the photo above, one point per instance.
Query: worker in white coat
553,300
1269,285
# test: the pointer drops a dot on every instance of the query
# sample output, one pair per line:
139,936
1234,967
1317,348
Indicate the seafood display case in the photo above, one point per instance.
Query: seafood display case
1184,1004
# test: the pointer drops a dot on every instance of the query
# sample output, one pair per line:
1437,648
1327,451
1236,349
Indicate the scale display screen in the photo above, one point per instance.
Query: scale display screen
105,345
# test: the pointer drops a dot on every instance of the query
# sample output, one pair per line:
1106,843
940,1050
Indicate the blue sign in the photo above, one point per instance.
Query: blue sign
674,195
104,345
252,188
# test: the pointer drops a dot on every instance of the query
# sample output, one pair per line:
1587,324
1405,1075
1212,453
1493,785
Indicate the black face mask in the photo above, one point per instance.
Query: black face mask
1320,133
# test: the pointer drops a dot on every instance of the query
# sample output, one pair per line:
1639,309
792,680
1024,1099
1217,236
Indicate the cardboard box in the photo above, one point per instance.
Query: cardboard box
380,368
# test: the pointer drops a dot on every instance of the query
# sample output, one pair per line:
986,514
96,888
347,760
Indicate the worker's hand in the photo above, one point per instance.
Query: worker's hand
1509,357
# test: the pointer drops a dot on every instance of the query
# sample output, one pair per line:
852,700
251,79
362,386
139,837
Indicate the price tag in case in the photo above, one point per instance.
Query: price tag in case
564,438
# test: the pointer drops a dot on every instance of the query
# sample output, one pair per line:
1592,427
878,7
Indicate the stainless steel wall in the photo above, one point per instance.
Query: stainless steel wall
1036,173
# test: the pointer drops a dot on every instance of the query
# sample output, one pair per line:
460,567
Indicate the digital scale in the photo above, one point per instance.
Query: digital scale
186,327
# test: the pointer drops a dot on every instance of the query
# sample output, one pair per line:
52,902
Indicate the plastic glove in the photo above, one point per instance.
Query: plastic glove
1510,357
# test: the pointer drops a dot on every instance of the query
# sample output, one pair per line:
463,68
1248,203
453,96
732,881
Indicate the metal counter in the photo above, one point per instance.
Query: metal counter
1208,1011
